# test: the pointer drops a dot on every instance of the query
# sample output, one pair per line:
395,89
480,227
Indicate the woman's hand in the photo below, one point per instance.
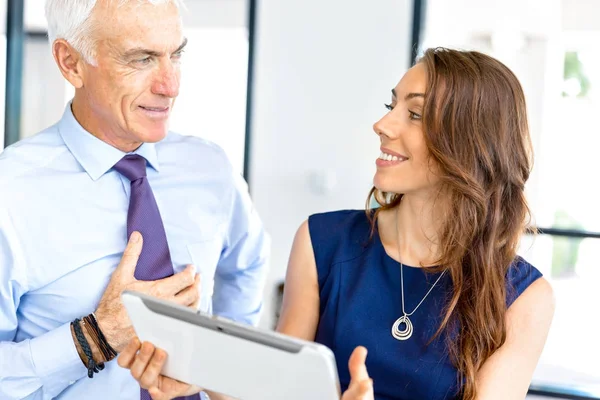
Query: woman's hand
361,386
145,363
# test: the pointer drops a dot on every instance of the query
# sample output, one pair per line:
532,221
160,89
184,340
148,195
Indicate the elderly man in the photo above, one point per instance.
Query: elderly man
72,196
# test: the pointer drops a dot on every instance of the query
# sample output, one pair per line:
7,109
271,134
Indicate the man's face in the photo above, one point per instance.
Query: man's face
127,97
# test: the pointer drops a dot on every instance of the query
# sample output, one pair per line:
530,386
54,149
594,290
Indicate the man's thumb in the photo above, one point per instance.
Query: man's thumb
132,253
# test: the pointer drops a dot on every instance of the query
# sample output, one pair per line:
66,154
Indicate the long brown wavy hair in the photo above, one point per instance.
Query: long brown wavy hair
475,126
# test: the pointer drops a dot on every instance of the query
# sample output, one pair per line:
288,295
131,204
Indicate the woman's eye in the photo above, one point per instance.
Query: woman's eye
414,115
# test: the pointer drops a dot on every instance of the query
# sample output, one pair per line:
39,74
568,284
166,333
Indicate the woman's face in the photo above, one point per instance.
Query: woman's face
404,165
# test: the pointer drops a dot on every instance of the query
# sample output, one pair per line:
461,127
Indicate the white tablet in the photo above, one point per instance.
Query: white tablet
231,358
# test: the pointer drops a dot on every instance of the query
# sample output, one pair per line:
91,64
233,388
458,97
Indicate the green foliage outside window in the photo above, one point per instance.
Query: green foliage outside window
574,69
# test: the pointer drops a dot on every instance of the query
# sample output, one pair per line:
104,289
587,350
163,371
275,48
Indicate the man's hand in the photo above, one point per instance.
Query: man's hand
361,386
181,288
146,362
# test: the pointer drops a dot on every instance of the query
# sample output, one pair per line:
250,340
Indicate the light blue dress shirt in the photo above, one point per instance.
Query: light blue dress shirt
63,217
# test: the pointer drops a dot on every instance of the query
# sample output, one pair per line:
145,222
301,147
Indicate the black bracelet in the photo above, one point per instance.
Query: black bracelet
92,367
112,352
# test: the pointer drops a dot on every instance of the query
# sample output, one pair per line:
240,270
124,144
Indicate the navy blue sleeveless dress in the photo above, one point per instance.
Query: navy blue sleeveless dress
360,300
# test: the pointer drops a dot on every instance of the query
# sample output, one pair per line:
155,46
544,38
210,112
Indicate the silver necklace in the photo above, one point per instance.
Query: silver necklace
407,332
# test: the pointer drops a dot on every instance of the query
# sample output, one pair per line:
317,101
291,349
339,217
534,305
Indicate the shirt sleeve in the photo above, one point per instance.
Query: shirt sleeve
40,367
242,269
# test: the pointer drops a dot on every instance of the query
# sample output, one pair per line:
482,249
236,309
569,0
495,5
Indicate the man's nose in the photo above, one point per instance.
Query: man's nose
167,81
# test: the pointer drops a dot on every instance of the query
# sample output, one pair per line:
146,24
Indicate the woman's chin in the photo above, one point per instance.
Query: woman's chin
384,185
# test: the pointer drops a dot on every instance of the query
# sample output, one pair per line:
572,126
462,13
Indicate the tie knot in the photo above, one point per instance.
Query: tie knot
132,166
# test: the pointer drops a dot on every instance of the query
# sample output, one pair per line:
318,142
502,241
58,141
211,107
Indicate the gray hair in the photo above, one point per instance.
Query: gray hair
70,20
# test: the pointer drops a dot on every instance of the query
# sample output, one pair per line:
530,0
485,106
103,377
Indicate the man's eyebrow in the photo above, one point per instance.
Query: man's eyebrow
137,51
182,45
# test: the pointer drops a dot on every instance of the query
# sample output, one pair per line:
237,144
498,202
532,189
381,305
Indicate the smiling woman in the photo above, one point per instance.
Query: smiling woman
458,125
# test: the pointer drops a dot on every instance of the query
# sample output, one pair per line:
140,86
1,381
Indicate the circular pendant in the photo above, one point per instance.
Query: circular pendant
404,334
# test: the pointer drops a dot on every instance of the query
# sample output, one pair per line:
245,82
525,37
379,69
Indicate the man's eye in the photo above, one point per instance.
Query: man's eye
143,61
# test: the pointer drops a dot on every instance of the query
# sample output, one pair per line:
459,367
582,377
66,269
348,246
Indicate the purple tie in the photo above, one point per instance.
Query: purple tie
143,216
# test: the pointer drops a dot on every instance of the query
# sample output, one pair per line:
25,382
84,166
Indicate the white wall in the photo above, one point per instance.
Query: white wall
215,13
212,97
214,71
323,70
581,15
44,92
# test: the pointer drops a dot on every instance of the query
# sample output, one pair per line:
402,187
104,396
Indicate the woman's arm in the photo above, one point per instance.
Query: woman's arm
300,309
506,375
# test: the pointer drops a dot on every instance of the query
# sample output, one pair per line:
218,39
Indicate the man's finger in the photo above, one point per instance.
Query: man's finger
190,295
156,393
141,361
155,365
128,354
131,255
356,365
196,304
174,284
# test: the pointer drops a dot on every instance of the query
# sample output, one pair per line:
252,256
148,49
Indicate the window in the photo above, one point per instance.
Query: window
212,98
570,248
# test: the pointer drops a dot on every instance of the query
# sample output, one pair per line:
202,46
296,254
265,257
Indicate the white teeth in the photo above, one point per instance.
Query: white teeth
389,157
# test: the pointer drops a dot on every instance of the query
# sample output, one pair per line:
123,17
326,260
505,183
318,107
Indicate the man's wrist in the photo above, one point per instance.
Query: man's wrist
106,330
95,332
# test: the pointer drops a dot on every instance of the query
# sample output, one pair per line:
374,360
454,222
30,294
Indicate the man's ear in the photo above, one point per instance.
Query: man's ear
69,61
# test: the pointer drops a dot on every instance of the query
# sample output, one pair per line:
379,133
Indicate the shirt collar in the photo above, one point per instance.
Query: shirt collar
94,155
